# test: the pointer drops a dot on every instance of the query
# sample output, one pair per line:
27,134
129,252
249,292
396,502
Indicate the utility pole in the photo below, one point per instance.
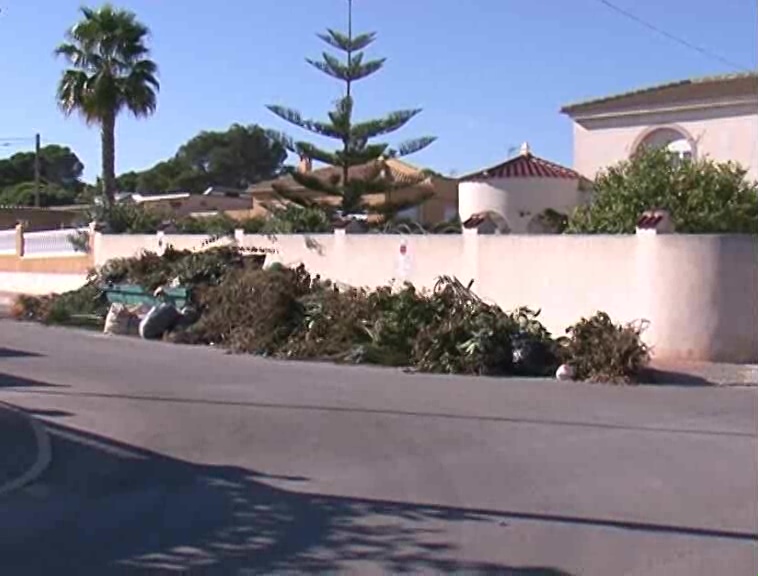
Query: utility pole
36,169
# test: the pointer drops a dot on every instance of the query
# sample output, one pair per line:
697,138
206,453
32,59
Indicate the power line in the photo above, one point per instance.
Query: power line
672,37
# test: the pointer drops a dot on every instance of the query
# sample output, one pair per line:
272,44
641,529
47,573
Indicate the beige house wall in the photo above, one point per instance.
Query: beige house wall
442,203
723,133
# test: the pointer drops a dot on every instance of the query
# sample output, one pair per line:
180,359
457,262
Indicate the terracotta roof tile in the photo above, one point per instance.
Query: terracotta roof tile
647,221
525,165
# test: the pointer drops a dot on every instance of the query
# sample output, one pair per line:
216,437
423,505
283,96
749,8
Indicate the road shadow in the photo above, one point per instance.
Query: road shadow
12,353
48,413
10,381
660,377
107,507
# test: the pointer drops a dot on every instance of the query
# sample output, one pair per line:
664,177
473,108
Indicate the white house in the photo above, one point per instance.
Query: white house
519,190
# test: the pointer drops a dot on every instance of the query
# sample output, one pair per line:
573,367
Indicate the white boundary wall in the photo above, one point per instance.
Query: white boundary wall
699,292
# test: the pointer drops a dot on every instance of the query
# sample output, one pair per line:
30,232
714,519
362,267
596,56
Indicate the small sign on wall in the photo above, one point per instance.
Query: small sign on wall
404,265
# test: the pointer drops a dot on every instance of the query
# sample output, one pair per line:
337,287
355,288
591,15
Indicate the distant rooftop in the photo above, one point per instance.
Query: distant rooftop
397,171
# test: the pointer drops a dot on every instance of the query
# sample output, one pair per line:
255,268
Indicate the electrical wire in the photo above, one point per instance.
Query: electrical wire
672,37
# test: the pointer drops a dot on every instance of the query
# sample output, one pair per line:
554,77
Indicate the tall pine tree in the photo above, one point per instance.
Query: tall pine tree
352,185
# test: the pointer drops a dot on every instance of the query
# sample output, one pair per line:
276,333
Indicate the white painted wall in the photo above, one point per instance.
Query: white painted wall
39,284
700,293
108,246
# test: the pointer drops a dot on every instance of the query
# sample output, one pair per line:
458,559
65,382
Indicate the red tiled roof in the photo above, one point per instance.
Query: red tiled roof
525,165
649,221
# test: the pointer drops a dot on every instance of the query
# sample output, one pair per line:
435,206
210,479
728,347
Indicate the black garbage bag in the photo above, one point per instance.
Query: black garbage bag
159,320
533,356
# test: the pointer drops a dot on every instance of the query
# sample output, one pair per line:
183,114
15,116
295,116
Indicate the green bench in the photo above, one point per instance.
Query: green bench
132,295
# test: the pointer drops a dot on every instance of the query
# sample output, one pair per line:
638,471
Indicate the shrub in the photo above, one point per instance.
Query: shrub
601,351
127,218
294,219
215,224
702,196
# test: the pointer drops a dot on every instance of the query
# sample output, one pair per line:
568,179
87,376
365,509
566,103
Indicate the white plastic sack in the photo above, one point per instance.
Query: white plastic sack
117,320
122,319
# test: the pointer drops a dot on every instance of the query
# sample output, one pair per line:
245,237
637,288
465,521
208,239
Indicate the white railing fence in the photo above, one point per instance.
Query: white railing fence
8,241
65,242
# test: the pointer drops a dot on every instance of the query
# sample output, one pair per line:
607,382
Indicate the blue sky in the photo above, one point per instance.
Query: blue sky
489,74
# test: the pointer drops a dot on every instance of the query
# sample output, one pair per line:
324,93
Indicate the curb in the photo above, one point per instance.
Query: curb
44,453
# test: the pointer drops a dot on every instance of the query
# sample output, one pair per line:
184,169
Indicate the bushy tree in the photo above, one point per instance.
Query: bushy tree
356,148
24,194
701,196
60,171
233,158
236,158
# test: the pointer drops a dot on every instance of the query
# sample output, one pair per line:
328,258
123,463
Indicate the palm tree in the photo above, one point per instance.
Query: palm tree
110,71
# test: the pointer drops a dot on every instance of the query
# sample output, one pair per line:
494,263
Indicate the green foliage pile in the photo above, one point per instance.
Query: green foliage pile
189,269
468,336
198,271
702,197
284,312
252,311
602,351
67,308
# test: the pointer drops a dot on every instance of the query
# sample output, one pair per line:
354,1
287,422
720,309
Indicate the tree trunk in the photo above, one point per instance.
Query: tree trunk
108,142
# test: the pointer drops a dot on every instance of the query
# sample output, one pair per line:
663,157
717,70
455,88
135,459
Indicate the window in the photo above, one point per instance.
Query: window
681,148
672,139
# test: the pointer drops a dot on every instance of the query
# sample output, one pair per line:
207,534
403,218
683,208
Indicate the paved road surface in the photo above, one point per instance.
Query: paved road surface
173,458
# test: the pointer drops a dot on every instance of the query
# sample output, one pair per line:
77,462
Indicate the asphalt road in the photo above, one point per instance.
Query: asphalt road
176,458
